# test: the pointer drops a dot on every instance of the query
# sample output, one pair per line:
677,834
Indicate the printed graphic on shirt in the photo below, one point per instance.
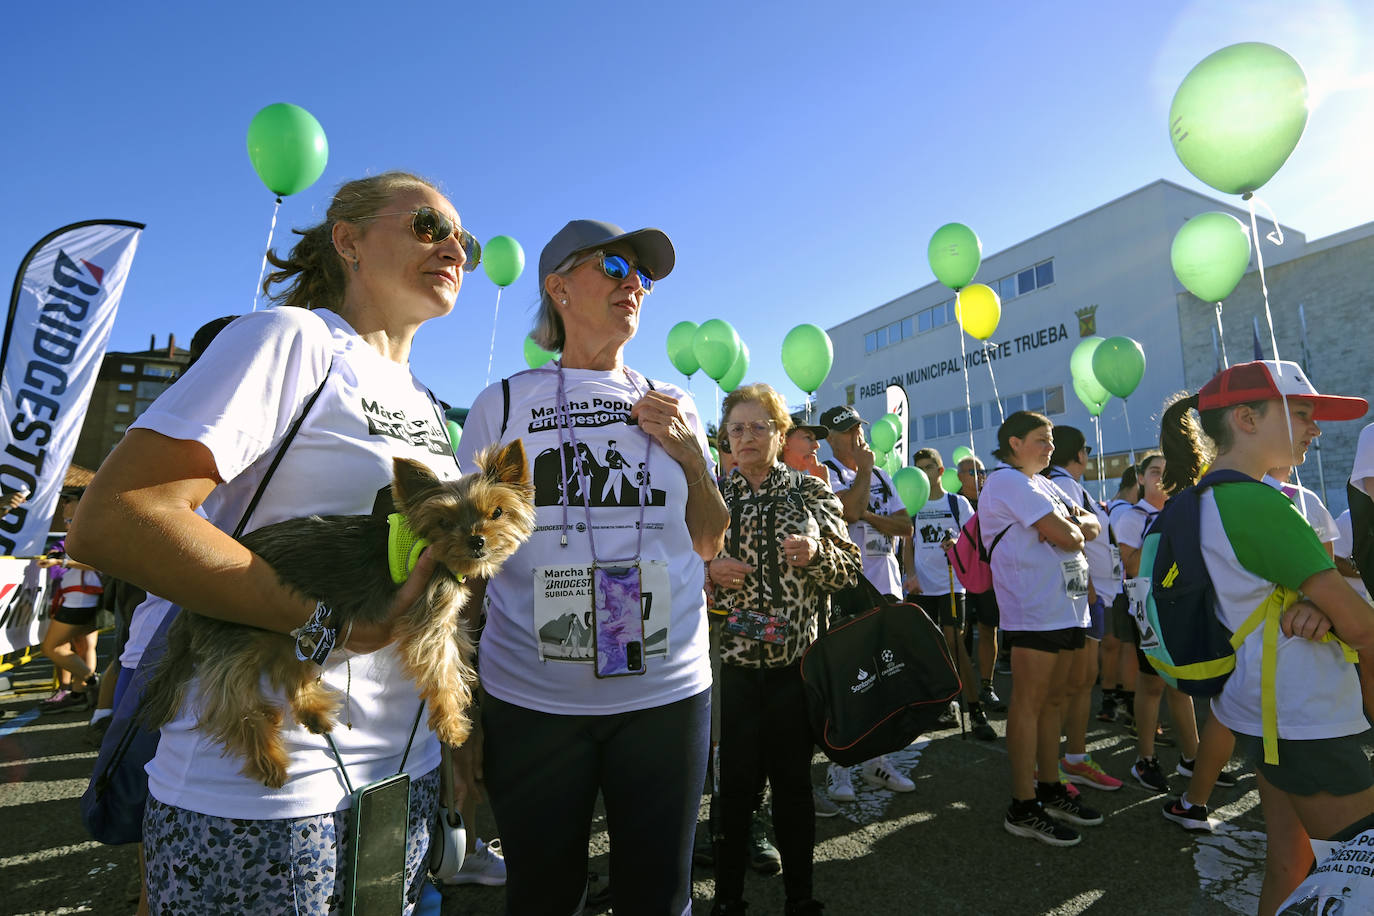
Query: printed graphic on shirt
596,474
422,432
563,611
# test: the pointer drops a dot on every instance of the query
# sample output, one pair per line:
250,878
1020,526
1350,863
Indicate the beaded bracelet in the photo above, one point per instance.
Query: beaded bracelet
315,639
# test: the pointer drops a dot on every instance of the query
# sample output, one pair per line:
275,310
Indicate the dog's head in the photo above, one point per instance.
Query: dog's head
477,521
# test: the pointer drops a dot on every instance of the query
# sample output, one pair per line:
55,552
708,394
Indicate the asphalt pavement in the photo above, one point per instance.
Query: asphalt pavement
939,849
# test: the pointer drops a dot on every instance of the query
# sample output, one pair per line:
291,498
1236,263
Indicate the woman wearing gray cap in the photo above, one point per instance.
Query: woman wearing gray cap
594,662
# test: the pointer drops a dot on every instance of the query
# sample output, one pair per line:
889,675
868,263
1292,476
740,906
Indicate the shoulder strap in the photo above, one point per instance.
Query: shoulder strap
281,453
953,507
836,468
505,405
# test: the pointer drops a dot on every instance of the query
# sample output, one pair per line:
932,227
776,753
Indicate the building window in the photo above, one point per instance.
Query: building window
120,427
1054,400
929,426
1006,288
1035,400
909,327
126,386
122,408
1044,274
870,342
160,371
1025,281
128,368
894,332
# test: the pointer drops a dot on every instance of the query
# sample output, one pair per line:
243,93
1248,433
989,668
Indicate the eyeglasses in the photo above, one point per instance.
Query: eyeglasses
759,428
618,268
1087,449
971,472
432,227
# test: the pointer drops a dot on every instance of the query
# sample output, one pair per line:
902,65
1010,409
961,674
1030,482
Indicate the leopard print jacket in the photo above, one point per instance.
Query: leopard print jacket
799,504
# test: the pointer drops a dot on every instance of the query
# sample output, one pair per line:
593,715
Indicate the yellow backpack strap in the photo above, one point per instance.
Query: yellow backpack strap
1269,612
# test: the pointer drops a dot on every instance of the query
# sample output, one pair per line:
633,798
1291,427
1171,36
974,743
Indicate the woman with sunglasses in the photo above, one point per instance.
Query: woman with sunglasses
389,257
615,702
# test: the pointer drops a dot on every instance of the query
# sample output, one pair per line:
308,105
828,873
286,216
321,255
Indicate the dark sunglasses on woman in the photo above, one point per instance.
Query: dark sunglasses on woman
618,268
432,227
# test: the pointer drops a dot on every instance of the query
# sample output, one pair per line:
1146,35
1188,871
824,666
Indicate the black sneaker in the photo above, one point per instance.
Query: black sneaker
1062,806
1226,779
1033,822
950,717
764,857
1147,772
1193,817
989,698
1108,711
981,729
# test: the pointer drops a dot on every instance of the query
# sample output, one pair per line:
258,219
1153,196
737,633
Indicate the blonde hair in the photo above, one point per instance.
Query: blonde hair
314,270
765,395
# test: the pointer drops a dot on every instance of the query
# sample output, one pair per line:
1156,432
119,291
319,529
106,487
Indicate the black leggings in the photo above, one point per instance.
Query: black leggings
764,732
543,773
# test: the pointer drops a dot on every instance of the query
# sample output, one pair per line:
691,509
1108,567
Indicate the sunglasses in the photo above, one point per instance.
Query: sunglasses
618,268
980,472
432,227
760,428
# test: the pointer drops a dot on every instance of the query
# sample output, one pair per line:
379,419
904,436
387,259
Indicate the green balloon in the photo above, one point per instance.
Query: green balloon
955,253
680,348
950,480
1081,368
503,259
730,381
1238,115
807,355
455,433
1210,254
893,464
287,148
716,347
883,435
1086,395
535,355
715,455
913,486
960,454
1118,365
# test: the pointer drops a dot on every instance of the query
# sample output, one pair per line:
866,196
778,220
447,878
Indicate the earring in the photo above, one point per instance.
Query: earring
355,264
564,301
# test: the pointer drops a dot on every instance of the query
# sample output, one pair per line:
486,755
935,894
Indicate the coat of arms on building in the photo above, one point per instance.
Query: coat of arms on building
1087,321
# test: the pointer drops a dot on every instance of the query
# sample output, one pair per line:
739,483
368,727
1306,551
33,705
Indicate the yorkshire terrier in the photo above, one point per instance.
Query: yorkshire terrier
473,524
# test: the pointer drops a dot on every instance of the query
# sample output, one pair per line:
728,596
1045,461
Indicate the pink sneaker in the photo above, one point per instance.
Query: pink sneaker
1088,773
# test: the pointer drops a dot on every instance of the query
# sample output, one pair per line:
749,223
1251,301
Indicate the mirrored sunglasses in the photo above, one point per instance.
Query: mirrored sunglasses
432,227
618,268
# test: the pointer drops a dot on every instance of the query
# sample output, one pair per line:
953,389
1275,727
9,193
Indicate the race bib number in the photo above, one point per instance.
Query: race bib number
563,626
1075,574
1137,593
1116,562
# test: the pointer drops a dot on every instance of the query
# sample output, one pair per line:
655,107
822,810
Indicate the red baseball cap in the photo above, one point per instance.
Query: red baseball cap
1267,380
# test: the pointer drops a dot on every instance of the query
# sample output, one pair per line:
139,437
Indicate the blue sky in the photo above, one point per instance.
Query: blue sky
799,155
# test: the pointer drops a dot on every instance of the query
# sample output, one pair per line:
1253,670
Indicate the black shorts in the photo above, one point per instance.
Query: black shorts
1119,621
1335,765
982,608
1141,659
939,609
1065,640
76,616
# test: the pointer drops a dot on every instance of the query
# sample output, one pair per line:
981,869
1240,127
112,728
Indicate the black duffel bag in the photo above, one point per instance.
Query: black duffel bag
877,681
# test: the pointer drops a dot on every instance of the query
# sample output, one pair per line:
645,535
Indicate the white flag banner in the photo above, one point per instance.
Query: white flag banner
897,404
23,604
61,312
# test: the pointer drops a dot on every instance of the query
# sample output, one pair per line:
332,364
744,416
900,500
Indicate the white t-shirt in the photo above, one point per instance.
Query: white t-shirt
238,401
1039,586
933,523
1343,545
526,652
75,579
879,556
1104,559
1129,523
1318,691
1363,468
1309,505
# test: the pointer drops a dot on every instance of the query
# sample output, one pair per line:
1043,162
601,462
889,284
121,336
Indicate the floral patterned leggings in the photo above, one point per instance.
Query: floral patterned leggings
203,864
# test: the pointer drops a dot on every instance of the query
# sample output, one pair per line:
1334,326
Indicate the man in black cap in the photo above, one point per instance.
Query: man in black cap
876,518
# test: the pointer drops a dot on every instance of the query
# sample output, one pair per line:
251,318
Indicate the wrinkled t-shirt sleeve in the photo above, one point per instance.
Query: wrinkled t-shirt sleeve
1269,536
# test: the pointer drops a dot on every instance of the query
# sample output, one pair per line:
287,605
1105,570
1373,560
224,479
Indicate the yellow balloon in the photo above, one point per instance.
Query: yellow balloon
978,310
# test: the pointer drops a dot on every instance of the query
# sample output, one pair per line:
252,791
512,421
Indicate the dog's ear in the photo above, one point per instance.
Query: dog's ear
506,465
410,481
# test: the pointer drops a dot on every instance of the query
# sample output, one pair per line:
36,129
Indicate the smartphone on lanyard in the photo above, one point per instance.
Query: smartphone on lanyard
617,620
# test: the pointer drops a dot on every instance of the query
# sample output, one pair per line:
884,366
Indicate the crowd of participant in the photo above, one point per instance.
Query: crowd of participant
301,403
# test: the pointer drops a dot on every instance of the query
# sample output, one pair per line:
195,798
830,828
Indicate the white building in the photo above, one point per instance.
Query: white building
1105,273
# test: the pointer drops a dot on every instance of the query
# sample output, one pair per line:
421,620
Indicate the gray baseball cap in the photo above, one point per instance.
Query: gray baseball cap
652,248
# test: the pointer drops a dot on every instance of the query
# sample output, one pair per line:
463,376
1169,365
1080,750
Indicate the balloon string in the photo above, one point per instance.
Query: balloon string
1101,472
262,271
1001,414
1277,238
491,354
1221,336
1130,442
968,399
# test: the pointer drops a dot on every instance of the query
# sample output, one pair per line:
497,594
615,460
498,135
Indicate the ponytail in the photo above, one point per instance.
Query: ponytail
1186,449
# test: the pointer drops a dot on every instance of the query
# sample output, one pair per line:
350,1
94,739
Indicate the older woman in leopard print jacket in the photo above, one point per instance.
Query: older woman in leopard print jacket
787,548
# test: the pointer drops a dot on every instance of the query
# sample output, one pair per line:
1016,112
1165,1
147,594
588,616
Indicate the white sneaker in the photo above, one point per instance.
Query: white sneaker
838,784
881,773
485,865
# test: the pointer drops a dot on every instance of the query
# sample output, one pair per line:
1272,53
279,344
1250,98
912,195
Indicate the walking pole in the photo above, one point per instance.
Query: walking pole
954,652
